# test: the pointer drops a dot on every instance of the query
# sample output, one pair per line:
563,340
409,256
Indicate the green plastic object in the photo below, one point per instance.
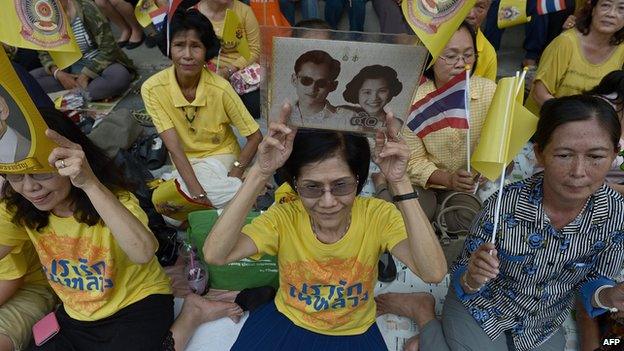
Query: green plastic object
246,273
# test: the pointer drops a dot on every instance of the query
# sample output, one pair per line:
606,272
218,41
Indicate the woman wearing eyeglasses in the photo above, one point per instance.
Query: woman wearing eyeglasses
97,253
328,242
437,163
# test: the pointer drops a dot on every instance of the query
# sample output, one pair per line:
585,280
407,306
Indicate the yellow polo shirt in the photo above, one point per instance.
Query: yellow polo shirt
445,149
486,63
203,125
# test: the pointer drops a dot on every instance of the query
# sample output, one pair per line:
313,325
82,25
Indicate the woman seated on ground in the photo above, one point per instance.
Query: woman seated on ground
328,242
560,233
96,251
371,90
437,164
229,59
104,71
25,295
194,109
578,58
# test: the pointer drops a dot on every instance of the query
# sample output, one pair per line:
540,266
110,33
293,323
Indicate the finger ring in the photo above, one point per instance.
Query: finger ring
62,164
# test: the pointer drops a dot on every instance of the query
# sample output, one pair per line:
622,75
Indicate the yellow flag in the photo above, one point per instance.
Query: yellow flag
435,21
24,148
233,36
39,25
511,13
142,11
508,126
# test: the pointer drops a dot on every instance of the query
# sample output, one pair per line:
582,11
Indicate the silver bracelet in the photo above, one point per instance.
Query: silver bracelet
55,73
464,279
599,303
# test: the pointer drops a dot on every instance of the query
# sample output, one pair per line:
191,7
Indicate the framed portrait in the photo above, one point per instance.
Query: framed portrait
24,148
344,85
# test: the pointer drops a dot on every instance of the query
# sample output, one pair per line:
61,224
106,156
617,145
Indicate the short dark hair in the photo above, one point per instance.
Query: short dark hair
584,20
429,71
312,146
184,20
319,57
313,23
583,107
386,73
611,83
26,214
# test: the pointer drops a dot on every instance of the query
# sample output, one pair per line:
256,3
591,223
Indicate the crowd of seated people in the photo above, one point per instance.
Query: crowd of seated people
76,241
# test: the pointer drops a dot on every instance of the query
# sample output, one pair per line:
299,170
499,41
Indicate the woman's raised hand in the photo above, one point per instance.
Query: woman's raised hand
277,145
483,266
70,161
391,153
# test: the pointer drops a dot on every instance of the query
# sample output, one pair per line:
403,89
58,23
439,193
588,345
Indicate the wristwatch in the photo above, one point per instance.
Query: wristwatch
238,165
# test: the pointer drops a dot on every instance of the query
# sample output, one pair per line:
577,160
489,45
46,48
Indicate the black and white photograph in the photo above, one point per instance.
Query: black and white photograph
344,85
14,133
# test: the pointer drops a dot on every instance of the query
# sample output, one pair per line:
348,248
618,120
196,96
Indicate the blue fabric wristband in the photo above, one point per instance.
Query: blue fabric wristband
587,292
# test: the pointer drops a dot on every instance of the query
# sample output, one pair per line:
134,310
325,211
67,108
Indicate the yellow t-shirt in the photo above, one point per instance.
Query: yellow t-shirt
230,56
564,70
22,262
216,107
486,62
85,266
328,288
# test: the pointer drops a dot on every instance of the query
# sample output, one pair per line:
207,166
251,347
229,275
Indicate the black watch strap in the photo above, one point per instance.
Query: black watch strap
408,196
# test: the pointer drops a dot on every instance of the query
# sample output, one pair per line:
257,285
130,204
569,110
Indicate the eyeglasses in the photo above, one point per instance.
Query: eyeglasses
453,59
313,190
16,178
322,83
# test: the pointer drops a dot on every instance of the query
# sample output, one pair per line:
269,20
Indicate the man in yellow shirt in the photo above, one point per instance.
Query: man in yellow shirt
487,62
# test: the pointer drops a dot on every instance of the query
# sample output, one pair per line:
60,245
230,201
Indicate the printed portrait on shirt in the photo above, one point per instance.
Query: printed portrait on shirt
343,85
14,133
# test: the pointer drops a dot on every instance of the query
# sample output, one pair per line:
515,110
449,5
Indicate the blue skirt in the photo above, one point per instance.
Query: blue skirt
268,329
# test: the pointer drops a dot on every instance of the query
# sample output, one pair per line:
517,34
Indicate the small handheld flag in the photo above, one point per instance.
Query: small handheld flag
550,6
444,107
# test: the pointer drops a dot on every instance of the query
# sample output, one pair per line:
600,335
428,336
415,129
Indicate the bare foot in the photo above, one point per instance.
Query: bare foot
202,310
411,344
419,307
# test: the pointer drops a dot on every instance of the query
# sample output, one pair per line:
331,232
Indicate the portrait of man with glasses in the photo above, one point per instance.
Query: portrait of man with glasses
314,78
13,145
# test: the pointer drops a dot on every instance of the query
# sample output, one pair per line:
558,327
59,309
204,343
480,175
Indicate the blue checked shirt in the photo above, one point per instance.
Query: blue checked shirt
542,268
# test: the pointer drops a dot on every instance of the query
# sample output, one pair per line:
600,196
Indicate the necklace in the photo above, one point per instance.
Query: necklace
190,114
315,230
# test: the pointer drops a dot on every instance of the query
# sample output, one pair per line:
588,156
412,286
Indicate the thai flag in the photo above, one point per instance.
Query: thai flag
158,18
549,6
444,107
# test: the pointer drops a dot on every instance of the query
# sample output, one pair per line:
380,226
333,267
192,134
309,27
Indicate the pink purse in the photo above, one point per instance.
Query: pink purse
247,79
45,329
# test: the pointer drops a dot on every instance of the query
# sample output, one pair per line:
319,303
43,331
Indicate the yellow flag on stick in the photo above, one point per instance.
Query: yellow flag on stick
435,21
511,13
508,126
40,25
234,35
142,12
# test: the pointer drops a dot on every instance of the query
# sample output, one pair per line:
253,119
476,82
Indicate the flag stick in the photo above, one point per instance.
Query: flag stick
467,104
499,198
218,61
524,71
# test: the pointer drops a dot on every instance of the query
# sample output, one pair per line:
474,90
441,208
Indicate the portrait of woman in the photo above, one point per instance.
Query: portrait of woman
371,90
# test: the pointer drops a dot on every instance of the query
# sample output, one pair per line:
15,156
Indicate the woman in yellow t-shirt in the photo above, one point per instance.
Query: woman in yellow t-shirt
194,111
578,58
230,59
97,253
327,242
